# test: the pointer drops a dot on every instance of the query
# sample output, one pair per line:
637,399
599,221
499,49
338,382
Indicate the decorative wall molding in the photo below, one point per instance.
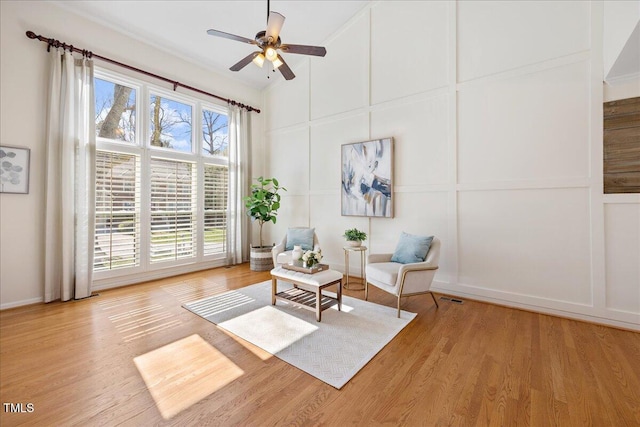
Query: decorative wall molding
573,191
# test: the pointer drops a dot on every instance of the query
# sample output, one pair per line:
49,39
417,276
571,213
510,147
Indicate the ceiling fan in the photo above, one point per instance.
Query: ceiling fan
269,43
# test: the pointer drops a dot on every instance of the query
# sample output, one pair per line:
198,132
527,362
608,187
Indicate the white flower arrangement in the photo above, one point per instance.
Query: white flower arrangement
312,258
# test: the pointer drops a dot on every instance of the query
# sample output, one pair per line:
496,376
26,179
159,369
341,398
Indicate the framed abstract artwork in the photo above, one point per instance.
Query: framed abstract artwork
367,178
14,169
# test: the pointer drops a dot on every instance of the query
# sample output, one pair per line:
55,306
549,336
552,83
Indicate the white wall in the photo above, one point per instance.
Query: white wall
496,112
622,230
23,75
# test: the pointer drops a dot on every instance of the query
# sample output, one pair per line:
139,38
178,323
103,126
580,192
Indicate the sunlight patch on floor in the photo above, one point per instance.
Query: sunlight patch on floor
345,308
194,289
184,372
118,302
225,302
282,329
135,316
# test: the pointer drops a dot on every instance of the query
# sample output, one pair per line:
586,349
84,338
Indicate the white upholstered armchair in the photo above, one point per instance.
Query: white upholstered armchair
303,236
403,280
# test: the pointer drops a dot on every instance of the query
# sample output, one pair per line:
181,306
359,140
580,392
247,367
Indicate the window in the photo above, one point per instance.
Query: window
161,193
215,133
170,124
173,210
115,111
216,182
117,242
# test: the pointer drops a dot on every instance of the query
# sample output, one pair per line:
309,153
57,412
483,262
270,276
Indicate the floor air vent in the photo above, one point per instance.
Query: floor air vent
457,301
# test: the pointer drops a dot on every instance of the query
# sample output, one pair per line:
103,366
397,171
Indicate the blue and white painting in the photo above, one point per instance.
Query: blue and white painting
367,173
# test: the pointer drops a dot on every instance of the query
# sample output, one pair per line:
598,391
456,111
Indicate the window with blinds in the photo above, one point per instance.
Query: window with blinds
117,239
173,210
216,182
162,170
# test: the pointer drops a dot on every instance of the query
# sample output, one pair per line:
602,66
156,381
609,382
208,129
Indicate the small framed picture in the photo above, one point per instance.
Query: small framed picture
14,169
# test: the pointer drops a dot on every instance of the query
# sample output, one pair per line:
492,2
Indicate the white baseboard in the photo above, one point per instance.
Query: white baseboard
132,279
116,282
616,319
21,303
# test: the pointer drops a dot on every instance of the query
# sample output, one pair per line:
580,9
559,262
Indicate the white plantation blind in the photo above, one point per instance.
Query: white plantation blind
173,210
216,183
117,238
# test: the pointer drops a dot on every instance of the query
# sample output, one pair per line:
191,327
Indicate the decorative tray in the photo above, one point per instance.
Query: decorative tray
315,269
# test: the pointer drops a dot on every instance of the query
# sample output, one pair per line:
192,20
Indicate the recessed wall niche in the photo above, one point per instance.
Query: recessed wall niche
622,146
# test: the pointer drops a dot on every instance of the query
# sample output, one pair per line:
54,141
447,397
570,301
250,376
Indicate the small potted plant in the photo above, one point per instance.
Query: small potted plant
355,237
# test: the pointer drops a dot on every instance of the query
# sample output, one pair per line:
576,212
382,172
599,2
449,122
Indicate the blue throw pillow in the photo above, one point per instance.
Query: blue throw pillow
300,236
411,248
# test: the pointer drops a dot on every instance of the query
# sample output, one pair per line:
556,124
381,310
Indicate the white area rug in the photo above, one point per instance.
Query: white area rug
333,350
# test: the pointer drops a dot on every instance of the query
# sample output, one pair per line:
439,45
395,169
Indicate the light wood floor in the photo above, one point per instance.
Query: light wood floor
469,364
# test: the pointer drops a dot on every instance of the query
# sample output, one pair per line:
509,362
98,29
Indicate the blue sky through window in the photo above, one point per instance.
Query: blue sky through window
174,118
170,123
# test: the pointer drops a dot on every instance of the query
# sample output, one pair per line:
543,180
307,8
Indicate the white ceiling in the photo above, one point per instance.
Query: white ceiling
628,62
180,27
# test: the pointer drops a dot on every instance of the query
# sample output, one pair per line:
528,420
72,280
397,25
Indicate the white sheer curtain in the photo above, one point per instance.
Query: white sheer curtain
237,220
70,177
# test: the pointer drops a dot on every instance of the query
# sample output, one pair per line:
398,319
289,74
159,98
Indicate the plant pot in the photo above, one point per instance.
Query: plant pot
354,243
261,259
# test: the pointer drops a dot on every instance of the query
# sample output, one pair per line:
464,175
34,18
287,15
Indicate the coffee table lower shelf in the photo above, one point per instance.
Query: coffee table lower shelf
307,289
306,299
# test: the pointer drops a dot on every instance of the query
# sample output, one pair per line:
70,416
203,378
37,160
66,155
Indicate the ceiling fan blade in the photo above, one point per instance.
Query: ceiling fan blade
285,70
274,25
230,36
244,61
304,50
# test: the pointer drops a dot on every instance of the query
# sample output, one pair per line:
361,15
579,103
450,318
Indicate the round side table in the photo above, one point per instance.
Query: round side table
362,250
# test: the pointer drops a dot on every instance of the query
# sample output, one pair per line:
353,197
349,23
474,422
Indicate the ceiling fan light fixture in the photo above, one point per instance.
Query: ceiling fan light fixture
259,60
277,62
270,53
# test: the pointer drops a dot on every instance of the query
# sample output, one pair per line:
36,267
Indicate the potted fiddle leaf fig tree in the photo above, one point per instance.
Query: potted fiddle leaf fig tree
262,206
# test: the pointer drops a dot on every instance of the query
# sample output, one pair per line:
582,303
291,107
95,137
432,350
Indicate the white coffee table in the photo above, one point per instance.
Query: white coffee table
307,289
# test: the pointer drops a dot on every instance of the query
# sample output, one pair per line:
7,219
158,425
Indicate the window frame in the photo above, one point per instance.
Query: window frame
142,147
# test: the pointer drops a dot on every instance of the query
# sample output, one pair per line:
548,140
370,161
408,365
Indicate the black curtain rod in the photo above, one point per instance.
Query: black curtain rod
57,44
